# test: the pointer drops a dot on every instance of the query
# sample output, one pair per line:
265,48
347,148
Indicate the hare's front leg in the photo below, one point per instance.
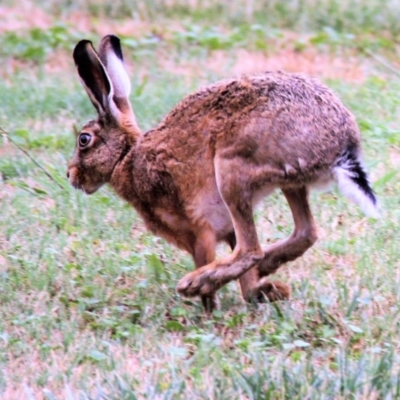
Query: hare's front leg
203,254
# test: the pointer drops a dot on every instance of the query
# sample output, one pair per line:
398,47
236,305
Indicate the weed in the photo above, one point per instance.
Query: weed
36,44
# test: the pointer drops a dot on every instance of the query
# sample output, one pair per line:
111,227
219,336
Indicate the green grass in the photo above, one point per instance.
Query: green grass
302,15
88,302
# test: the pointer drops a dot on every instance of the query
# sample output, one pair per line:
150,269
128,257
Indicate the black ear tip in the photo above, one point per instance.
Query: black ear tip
115,43
81,48
114,38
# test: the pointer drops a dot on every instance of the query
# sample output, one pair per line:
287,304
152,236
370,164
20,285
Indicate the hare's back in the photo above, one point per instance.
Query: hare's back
268,93
289,122
275,117
275,97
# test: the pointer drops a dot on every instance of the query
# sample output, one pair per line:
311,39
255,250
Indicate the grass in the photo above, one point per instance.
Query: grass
303,15
88,302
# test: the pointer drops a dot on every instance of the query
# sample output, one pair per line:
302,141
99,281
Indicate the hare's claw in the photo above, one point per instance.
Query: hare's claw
199,282
272,290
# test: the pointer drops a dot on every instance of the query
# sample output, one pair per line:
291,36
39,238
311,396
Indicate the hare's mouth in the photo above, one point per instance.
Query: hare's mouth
76,181
89,189
85,187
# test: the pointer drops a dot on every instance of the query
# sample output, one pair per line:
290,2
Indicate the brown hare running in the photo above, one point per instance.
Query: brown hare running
197,176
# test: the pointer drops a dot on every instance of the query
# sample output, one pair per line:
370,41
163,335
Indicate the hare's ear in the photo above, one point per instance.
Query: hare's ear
110,53
93,75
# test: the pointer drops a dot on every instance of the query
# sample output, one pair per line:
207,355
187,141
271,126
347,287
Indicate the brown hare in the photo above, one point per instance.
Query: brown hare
197,176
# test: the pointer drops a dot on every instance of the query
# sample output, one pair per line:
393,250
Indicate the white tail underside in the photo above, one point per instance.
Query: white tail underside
352,191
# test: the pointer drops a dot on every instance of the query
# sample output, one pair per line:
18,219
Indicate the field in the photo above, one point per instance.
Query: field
88,302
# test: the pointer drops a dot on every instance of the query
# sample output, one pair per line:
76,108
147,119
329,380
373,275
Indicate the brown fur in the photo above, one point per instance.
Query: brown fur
194,178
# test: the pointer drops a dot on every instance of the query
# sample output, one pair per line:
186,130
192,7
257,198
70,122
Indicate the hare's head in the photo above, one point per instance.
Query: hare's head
103,142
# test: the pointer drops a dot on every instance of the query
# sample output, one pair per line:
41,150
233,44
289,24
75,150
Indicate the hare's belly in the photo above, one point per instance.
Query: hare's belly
210,208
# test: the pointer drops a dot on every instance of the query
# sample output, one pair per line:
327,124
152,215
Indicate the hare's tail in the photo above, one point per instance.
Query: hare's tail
353,182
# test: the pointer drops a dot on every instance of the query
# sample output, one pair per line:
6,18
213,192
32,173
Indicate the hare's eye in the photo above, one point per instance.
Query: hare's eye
84,139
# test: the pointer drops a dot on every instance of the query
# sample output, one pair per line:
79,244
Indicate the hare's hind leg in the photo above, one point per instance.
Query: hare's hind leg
254,290
302,238
208,279
247,253
254,284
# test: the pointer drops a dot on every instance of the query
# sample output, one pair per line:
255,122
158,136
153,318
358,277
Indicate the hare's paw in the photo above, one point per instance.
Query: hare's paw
272,290
202,282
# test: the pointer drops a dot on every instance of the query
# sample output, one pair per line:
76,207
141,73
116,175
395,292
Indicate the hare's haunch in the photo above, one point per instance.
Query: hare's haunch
196,177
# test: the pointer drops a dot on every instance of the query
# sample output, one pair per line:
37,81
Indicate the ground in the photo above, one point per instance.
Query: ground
88,301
